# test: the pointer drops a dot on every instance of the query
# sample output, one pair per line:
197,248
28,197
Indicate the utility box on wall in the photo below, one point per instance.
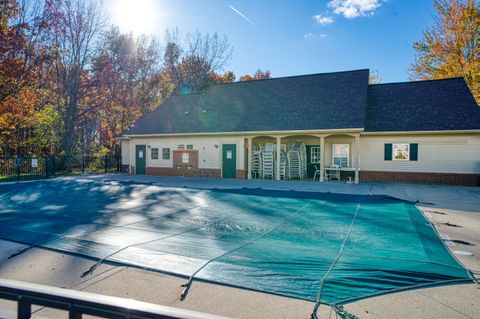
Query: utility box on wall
186,161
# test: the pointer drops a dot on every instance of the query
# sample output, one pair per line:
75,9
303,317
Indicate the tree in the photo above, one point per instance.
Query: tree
22,66
189,65
259,75
226,77
451,47
126,82
74,27
374,77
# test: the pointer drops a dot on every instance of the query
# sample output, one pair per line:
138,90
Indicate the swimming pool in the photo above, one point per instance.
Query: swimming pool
313,246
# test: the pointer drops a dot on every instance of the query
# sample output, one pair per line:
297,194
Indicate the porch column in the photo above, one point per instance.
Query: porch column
249,164
279,141
357,159
322,158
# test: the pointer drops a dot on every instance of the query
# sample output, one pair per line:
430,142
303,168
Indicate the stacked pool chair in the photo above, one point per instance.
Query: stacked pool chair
283,166
256,164
297,161
268,161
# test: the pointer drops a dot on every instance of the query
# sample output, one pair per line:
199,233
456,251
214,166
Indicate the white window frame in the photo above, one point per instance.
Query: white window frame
181,146
401,159
151,154
318,155
348,155
163,153
189,146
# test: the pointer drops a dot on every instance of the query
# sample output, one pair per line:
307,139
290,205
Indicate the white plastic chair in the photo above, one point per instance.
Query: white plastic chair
317,172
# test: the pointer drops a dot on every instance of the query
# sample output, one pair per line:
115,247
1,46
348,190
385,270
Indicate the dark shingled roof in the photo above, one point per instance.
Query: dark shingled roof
317,101
434,105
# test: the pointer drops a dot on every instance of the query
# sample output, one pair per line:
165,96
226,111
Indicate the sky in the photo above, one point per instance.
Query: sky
293,37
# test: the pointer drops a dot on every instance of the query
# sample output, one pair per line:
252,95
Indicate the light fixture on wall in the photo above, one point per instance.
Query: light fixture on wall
216,145
149,146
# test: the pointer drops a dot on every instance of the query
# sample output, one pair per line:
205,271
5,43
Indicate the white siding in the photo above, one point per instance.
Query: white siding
125,147
209,149
436,154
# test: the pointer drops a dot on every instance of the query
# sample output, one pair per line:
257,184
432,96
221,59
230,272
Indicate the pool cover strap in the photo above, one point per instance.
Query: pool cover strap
324,278
285,220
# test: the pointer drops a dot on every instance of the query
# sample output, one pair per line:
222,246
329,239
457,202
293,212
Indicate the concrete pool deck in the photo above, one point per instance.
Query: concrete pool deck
441,204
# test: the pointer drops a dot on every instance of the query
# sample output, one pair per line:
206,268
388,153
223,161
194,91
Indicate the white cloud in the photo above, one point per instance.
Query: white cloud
323,20
354,8
311,35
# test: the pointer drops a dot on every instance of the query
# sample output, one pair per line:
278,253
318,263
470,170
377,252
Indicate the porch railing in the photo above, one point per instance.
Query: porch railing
78,303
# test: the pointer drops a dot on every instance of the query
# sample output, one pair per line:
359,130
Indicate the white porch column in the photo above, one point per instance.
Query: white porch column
279,141
249,164
322,158
357,158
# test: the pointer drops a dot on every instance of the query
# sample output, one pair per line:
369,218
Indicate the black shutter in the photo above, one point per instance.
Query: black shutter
388,152
414,152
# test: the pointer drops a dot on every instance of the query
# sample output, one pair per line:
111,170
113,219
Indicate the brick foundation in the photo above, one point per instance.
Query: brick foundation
240,174
421,178
184,171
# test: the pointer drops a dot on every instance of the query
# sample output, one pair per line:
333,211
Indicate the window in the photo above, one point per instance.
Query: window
189,147
185,158
165,153
154,153
315,155
401,152
340,154
181,146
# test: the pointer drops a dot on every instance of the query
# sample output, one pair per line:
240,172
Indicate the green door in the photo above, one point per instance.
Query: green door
313,159
229,160
140,159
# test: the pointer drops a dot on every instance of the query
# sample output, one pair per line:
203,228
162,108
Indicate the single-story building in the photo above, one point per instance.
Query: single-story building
318,126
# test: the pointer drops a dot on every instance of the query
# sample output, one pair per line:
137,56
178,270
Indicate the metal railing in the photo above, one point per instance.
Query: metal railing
78,303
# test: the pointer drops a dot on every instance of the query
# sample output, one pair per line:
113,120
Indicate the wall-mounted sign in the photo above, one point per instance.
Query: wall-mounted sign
229,154
185,158
140,154
18,162
34,162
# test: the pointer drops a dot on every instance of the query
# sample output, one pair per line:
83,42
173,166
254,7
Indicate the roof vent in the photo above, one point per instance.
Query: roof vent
204,111
186,112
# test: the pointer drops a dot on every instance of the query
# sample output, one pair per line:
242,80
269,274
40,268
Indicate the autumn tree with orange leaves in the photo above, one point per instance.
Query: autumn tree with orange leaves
259,75
23,62
451,47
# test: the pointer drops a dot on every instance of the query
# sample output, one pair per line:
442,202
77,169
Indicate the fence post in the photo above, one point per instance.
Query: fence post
18,163
24,309
83,164
105,163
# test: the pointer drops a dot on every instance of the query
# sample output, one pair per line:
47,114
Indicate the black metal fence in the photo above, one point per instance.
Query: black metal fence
13,168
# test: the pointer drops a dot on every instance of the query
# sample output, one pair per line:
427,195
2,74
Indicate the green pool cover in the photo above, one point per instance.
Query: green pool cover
337,248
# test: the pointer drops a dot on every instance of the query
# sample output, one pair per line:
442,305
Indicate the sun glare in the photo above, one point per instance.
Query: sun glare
137,16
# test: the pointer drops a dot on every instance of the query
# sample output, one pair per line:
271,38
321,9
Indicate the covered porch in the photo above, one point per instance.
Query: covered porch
322,157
